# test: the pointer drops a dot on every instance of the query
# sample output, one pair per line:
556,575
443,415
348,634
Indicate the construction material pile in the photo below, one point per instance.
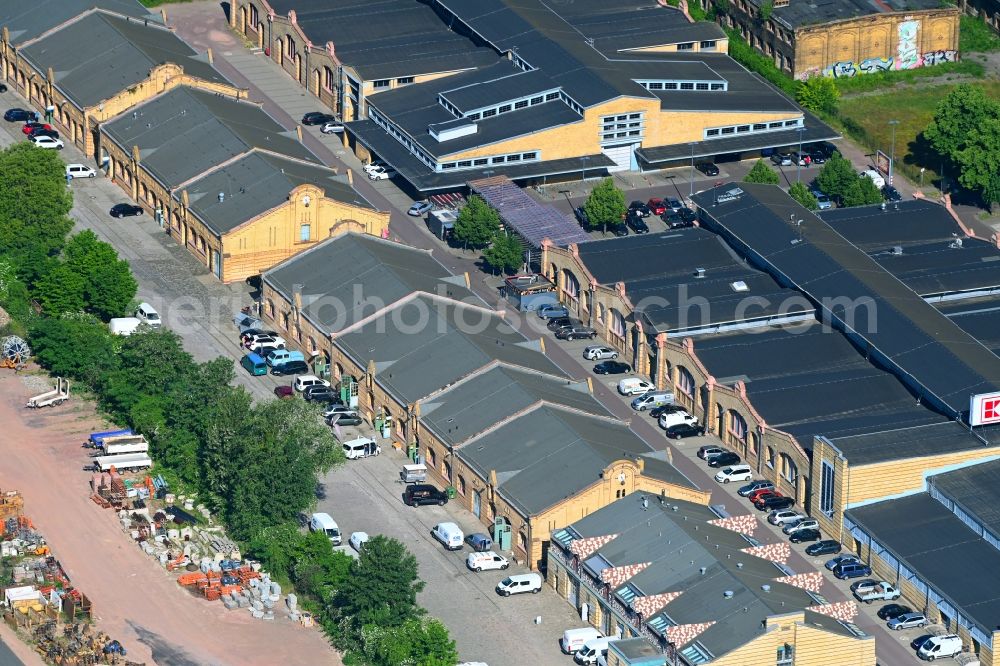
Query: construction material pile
40,602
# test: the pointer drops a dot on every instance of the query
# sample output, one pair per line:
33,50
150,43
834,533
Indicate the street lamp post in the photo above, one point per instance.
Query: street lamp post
691,178
892,150
798,157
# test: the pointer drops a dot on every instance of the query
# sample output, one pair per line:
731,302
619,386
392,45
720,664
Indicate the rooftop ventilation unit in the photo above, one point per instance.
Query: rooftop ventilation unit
896,250
766,588
699,273
728,594
739,286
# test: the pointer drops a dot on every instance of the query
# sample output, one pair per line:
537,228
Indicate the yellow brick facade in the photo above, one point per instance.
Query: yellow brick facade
812,645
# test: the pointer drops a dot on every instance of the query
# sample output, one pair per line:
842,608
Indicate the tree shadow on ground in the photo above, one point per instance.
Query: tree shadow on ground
164,652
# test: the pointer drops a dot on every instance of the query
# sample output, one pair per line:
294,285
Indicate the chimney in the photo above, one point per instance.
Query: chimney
211,58
641,463
298,132
350,172
493,478
297,296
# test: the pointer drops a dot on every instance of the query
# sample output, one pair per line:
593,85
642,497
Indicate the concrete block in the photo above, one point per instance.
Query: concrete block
292,601
269,615
257,613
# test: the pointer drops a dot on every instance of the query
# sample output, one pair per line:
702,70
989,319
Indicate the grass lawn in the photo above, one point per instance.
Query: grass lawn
864,119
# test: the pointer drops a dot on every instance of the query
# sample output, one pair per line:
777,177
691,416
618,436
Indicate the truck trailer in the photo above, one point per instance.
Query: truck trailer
127,462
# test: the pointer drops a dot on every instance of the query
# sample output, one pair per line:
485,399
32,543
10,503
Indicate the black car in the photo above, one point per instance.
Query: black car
125,210
890,611
18,115
657,412
317,118
619,229
42,131
687,214
801,536
612,368
824,547
424,493
724,460
674,220
635,222
707,168
772,502
817,156
576,333
320,393
682,430
640,209
581,217
891,194
290,368
561,322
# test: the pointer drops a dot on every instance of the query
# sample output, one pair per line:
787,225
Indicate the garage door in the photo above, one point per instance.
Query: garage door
621,154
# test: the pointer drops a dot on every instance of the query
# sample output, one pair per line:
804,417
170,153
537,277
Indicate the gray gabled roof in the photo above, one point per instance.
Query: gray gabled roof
101,55
257,183
976,489
352,276
185,132
27,20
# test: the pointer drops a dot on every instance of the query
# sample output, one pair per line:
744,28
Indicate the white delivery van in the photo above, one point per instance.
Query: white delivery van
124,325
634,386
323,522
652,399
361,447
937,647
677,418
574,639
519,584
875,177
591,650
448,534
145,313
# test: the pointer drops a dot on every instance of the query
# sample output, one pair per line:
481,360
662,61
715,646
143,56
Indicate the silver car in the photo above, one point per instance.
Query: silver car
784,517
908,621
420,208
599,353
804,524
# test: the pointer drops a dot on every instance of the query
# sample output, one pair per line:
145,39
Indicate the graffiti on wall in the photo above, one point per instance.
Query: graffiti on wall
841,70
875,65
907,49
940,57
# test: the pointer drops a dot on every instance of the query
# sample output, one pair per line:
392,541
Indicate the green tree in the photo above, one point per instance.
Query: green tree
605,206
477,223
801,193
383,585
433,646
109,284
964,109
61,290
14,295
818,93
34,204
78,347
425,642
861,192
505,253
762,173
979,161
836,176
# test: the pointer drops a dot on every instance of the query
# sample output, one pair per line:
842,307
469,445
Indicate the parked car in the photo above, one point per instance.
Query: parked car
734,473
520,584
636,223
381,173
336,407
47,142
32,125
317,118
640,209
487,560
420,208
833,563
801,536
449,534
759,484
673,204
373,166
673,220
345,418
673,418
283,392
479,542
938,647
656,206
148,315
552,311
875,177
302,382
320,393
727,458
332,127
853,569
782,517
890,611
802,158
42,131
707,168
18,115
682,430
818,156
762,492
125,210
804,524
265,340
248,333
781,159
357,540
771,502
576,333
824,547
652,399
657,412
822,201
891,194
619,229
869,590
599,353
707,452
687,215
419,494
612,368
908,621
558,322
80,171
290,368
581,217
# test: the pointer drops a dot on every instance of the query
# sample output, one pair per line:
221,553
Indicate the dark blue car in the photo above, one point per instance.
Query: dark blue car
18,115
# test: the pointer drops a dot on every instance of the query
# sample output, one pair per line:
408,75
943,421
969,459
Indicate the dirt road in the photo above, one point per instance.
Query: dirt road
135,600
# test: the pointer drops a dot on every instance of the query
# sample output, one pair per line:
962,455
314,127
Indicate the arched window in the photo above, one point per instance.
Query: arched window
737,426
289,47
460,486
570,284
328,80
769,459
284,320
789,470
553,272
753,443
431,456
270,308
312,344
685,381
522,540
617,323
445,469
600,313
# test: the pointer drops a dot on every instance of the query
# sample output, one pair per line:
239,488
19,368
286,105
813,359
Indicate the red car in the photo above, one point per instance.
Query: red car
656,206
284,391
762,493
29,127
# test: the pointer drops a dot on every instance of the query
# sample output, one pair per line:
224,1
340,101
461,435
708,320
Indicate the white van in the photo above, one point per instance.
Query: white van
592,649
734,473
574,639
302,382
146,314
124,326
449,534
323,522
519,584
875,177
652,399
677,418
634,386
937,647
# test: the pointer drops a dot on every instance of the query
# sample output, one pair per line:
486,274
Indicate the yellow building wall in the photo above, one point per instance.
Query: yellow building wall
676,127
721,46
267,240
368,87
870,482
813,646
